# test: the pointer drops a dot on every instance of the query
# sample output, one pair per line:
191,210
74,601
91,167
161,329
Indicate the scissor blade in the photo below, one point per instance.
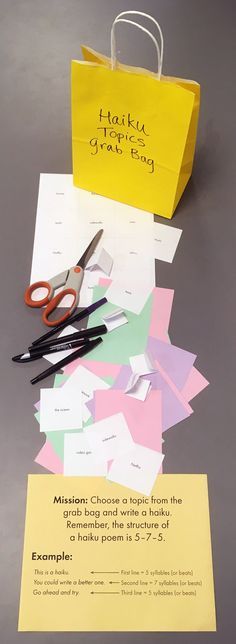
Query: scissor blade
90,250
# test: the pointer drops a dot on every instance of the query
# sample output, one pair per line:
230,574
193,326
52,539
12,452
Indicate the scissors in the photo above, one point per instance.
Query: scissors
71,278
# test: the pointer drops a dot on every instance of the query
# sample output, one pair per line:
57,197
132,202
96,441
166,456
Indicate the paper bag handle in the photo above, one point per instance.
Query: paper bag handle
136,24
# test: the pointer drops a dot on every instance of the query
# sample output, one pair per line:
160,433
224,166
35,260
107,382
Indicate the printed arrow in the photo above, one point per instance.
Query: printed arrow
104,572
114,582
103,593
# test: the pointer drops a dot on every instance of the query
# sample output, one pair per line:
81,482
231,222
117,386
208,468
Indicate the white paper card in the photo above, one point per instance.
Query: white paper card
60,410
80,459
130,297
142,364
86,382
136,469
101,261
115,319
165,241
138,387
110,436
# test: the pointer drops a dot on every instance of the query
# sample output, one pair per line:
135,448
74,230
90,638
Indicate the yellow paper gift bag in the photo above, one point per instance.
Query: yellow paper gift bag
133,131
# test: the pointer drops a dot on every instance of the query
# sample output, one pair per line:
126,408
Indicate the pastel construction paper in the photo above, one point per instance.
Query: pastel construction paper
132,337
174,406
128,339
176,362
143,418
101,369
161,313
48,458
194,384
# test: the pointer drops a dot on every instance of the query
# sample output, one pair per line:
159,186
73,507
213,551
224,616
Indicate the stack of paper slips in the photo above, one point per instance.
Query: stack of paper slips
106,415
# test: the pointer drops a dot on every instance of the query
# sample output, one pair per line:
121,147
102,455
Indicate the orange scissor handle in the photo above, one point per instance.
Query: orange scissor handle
37,303
54,303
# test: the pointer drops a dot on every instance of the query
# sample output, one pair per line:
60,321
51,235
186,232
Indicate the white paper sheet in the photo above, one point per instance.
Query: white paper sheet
86,382
115,319
110,437
60,410
165,241
134,260
67,220
138,387
130,296
136,469
142,364
80,459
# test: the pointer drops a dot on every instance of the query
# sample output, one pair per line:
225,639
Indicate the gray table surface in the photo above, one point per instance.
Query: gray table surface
38,40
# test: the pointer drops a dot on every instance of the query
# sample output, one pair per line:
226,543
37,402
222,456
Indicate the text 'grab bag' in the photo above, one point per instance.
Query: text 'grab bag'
133,131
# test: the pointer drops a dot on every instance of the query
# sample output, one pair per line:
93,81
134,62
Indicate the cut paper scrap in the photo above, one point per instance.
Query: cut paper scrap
137,387
194,384
80,459
165,241
100,261
162,300
176,362
110,437
48,458
60,409
115,319
129,294
174,406
142,364
137,469
143,418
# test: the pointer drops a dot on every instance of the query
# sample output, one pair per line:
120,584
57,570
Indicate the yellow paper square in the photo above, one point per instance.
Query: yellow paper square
135,577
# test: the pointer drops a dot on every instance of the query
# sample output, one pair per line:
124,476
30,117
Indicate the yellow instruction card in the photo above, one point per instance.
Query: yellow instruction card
99,557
